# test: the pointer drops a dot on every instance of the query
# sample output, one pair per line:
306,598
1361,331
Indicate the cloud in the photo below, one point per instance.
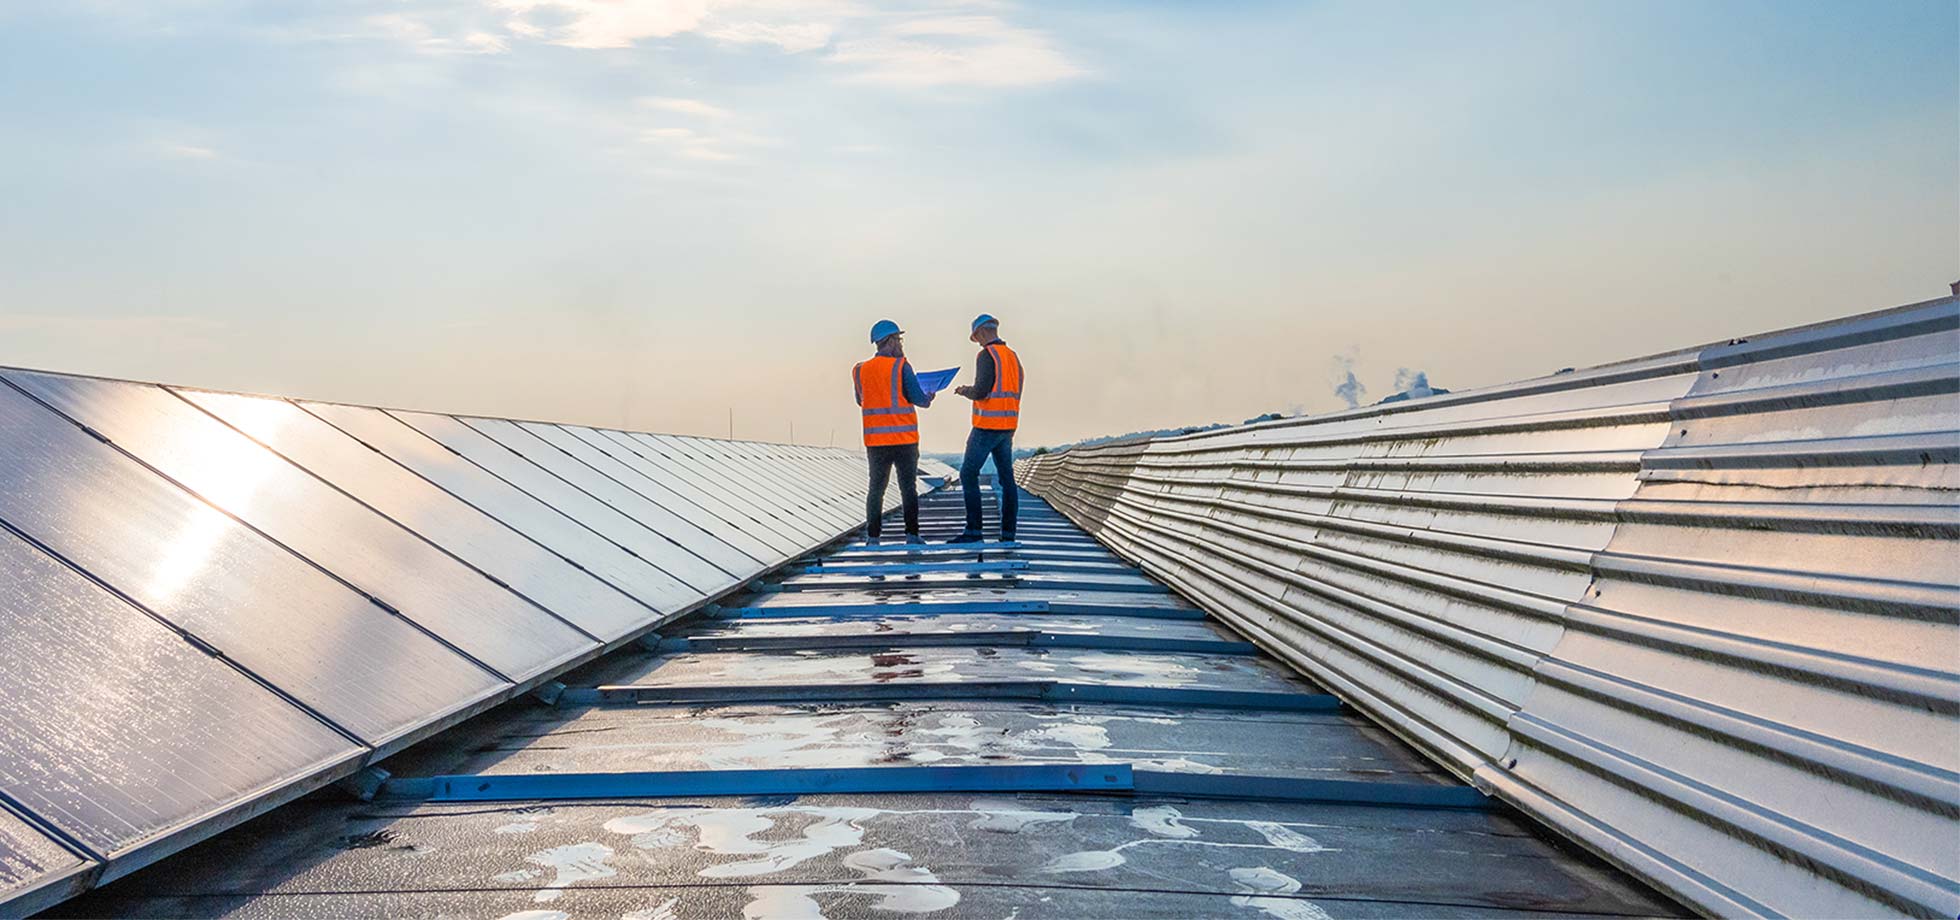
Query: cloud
793,37
956,50
714,136
685,106
689,144
602,23
485,43
186,152
893,44
420,34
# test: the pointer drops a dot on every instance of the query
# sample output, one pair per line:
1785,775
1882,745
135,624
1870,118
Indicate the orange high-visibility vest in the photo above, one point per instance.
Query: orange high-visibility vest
1000,410
889,418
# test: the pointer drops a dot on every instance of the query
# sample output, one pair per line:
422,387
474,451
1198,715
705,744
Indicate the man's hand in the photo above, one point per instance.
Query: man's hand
965,391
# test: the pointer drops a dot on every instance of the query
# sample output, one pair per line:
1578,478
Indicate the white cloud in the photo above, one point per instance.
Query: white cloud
486,43
956,50
187,152
793,37
602,23
938,44
685,106
428,39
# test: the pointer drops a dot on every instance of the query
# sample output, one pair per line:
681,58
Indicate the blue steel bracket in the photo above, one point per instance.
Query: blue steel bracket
1030,691
1111,778
1115,777
365,784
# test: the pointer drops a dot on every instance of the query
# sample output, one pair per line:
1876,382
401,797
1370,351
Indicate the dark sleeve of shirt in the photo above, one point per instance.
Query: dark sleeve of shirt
983,373
913,391
857,385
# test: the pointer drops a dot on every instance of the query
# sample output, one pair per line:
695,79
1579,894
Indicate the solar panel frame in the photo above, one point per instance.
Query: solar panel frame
37,870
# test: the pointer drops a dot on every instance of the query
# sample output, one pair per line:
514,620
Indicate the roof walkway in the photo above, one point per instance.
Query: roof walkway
1003,730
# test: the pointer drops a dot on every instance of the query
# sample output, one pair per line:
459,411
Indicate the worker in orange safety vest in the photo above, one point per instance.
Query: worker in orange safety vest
890,396
996,395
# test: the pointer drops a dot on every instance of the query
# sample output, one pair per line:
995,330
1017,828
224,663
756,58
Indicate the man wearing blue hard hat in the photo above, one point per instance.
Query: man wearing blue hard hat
996,395
890,396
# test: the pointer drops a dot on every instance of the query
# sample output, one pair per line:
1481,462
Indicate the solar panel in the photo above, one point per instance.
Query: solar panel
195,566
513,506
804,499
838,485
780,532
671,527
730,528
116,730
422,506
34,869
728,484
544,482
377,556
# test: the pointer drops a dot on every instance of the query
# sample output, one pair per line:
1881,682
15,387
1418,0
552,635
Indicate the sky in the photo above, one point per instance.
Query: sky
653,213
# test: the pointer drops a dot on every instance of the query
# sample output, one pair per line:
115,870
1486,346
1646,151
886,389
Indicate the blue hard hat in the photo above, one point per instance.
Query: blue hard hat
982,320
883,329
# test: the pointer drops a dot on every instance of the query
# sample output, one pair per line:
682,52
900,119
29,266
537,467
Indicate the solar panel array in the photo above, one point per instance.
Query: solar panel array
213,603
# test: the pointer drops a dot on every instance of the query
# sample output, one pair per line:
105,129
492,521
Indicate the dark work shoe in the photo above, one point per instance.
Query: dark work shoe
967,537
914,539
1007,538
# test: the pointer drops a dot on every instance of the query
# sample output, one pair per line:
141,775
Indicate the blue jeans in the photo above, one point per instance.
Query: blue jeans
981,444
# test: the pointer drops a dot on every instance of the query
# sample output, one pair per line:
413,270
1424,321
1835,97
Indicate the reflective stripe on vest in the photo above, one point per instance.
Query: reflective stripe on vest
889,418
1000,409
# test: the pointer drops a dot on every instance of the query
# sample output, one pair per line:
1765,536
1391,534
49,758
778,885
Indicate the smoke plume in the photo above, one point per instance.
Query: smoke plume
1346,385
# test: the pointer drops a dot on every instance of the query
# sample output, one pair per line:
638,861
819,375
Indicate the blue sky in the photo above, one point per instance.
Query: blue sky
645,213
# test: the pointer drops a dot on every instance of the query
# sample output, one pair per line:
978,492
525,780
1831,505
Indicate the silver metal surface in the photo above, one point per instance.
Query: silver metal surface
1696,611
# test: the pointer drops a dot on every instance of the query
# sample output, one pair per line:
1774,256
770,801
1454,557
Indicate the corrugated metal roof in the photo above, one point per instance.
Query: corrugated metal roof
214,603
1031,730
1697,611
